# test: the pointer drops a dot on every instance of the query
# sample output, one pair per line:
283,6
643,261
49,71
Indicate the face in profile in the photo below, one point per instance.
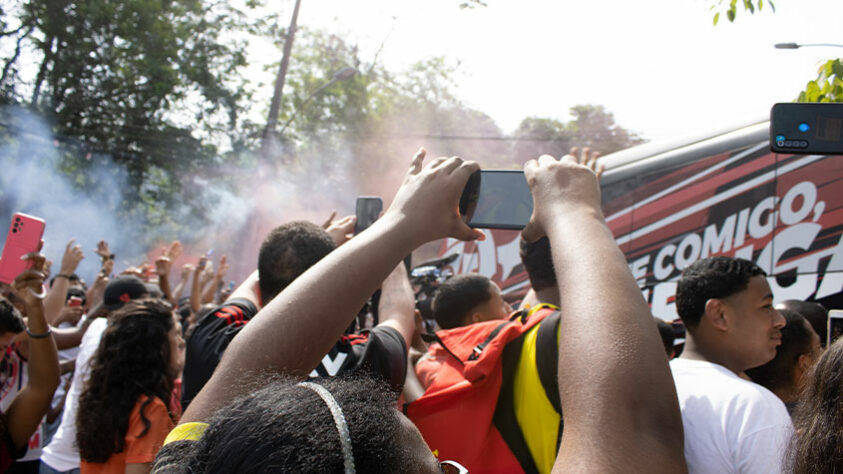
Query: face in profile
494,308
754,323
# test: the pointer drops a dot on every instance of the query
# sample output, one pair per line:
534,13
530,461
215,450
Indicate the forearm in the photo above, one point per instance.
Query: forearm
299,326
69,337
211,290
195,293
178,290
43,363
56,297
627,383
397,304
164,284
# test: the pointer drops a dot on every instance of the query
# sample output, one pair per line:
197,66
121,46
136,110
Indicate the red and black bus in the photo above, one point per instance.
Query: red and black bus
723,193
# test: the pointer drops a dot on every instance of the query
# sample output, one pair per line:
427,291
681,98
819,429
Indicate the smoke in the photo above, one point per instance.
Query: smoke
242,203
241,209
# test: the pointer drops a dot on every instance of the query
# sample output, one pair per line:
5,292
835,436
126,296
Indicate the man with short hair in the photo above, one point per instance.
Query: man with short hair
730,424
287,252
466,299
787,373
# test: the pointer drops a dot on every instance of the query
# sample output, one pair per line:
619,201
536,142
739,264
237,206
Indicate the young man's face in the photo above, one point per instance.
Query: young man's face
494,308
755,325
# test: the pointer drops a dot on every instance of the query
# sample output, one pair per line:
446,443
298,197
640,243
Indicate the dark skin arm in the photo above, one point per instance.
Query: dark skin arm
33,401
626,385
294,330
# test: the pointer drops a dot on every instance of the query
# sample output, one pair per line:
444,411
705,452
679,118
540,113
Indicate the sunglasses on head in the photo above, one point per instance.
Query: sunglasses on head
452,467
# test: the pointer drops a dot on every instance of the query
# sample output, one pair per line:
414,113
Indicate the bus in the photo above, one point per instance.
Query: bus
721,193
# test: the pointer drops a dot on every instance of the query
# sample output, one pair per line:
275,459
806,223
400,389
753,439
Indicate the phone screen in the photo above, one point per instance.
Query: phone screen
835,325
368,210
504,200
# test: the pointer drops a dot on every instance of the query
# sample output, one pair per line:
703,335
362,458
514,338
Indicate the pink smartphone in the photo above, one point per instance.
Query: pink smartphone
25,233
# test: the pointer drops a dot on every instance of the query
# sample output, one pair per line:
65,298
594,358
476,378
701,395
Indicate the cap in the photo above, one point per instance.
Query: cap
123,289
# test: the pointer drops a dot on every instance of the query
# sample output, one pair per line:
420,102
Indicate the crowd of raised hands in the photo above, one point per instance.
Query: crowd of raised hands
227,396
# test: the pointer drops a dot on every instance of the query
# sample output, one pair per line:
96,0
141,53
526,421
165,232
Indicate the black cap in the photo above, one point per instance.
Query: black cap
123,289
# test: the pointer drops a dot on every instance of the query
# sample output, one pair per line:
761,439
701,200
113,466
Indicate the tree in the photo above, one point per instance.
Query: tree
592,126
828,86
155,85
731,8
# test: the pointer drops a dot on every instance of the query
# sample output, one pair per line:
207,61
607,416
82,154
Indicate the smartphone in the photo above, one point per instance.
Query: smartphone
24,236
74,302
807,128
835,325
497,199
368,210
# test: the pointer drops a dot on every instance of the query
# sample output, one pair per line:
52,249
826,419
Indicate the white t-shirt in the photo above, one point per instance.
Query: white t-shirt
731,425
61,454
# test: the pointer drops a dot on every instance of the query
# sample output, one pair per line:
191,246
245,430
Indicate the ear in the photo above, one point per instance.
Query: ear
715,314
803,365
475,318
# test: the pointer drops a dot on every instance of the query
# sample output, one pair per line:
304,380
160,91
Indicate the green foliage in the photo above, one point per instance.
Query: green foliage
828,86
730,7
592,126
149,82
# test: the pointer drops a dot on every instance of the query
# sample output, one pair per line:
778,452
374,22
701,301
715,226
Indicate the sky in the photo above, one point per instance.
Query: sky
660,66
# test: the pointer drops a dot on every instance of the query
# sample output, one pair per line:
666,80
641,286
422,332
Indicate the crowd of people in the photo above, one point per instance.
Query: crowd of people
286,373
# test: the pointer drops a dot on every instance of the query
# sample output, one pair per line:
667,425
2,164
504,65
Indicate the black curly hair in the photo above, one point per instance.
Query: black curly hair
713,277
132,360
285,427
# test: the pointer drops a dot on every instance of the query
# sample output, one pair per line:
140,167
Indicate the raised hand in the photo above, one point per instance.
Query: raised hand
174,251
340,230
102,250
162,265
558,186
430,195
29,285
223,268
72,256
588,159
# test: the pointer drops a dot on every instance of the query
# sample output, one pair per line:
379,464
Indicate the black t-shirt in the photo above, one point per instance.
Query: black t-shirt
209,340
380,352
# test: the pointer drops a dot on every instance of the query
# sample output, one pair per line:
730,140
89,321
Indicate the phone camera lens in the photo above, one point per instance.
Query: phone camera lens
14,231
804,127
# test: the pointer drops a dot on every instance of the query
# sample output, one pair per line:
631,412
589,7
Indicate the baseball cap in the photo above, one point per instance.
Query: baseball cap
123,289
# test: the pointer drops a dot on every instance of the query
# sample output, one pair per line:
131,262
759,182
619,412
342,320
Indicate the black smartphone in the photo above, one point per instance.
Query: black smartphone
497,199
807,128
368,210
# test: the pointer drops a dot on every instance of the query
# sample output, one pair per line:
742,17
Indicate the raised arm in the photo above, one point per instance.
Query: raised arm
292,333
56,296
216,283
33,401
623,394
397,307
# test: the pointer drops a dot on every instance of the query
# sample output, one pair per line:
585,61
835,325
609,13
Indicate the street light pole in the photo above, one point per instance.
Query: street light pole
797,45
341,75
275,105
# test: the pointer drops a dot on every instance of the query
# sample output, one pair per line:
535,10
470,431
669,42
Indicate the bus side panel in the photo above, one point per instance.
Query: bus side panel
806,250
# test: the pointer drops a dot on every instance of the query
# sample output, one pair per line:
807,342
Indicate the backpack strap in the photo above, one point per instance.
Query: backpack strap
478,349
547,358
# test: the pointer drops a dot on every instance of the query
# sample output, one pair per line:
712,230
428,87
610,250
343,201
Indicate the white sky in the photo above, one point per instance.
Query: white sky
660,66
